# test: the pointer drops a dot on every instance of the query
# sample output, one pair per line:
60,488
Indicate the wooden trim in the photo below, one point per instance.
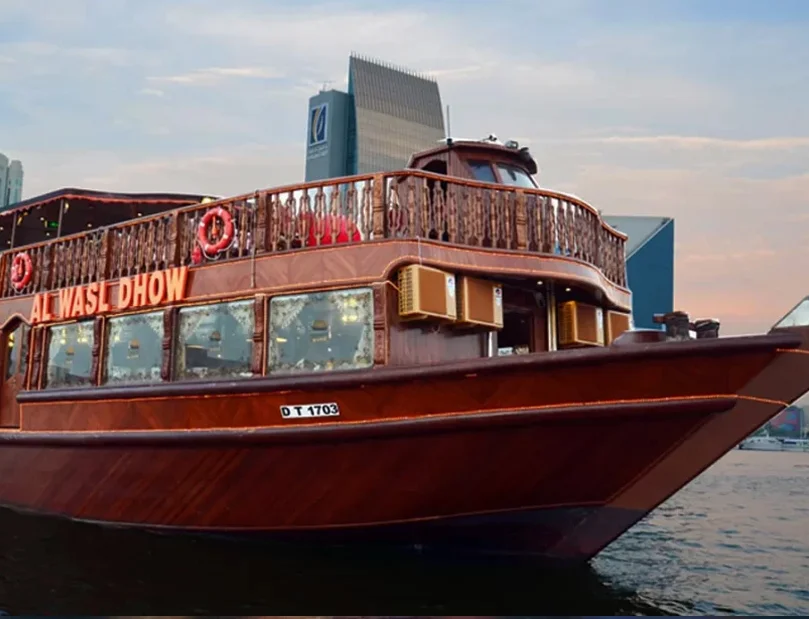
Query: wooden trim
368,429
262,209
43,365
381,335
97,363
169,328
259,334
487,365
361,264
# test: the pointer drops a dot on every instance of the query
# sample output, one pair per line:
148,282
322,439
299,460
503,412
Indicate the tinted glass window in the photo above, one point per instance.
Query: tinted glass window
515,176
70,355
322,331
134,348
482,171
798,316
215,341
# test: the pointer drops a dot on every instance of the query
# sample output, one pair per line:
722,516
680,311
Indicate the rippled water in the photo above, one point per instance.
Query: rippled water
736,541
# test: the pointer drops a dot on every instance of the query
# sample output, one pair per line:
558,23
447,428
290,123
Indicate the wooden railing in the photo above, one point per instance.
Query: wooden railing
406,204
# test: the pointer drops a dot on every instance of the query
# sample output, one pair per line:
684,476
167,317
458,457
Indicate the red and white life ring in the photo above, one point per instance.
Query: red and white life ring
206,223
22,269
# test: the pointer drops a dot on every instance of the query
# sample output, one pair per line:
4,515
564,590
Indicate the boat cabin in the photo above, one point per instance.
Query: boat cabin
487,160
459,256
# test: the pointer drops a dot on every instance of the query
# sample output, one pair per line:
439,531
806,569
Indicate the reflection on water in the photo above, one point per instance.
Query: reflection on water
735,541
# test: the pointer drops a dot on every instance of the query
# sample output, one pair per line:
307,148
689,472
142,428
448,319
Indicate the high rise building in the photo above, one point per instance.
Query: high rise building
11,176
649,265
15,175
387,114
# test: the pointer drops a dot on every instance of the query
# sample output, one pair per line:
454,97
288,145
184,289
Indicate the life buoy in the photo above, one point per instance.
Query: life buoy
345,230
22,269
206,223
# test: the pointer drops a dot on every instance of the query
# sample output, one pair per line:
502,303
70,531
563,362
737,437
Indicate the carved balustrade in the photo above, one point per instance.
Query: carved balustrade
405,204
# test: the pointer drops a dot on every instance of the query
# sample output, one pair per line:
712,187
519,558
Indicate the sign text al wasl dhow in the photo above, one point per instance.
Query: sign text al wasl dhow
144,290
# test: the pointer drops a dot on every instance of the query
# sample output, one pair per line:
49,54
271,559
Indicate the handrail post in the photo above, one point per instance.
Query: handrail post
106,254
378,206
174,240
261,222
521,221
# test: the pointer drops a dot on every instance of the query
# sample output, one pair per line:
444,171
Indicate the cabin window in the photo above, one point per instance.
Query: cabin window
134,349
798,316
514,176
215,341
70,354
323,331
482,171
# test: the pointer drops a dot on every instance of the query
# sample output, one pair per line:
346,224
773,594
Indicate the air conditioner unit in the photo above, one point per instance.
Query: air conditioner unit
480,303
615,323
425,292
580,324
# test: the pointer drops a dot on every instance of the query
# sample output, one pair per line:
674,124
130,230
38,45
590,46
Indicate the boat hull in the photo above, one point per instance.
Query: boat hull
556,461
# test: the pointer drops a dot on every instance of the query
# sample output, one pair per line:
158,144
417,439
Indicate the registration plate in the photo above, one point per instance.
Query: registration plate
329,409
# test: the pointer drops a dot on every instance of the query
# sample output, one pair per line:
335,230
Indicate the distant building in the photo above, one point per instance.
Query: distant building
789,422
11,176
15,176
649,265
387,114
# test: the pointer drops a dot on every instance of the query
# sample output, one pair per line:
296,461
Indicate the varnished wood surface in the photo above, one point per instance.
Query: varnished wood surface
395,458
363,264
782,381
373,428
363,400
622,360
344,481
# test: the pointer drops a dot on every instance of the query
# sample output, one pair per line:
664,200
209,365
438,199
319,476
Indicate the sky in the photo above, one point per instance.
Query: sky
693,109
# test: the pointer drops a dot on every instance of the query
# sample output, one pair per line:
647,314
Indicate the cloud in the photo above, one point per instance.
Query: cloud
151,92
703,142
215,75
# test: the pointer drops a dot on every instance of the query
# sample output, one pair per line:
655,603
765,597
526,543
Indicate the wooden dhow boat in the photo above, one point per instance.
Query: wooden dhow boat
440,357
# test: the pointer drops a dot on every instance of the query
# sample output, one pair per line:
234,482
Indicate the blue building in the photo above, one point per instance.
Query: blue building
649,265
387,114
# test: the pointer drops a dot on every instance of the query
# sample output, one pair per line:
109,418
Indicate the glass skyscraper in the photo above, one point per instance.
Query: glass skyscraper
387,114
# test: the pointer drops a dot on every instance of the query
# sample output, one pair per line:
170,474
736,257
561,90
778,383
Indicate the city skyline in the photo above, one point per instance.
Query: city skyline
689,110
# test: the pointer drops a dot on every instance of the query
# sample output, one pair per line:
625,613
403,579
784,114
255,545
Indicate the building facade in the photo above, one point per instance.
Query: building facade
11,176
387,114
649,265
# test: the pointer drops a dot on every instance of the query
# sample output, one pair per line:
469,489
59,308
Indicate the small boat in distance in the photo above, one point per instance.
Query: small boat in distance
762,443
762,440
438,357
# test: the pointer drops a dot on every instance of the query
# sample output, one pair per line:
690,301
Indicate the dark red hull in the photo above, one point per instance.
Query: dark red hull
559,479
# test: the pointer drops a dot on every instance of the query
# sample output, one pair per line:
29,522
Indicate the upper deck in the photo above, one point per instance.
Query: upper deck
442,201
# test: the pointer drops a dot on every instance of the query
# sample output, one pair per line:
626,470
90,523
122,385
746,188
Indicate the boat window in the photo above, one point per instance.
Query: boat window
321,331
215,341
798,316
134,349
482,171
70,355
515,177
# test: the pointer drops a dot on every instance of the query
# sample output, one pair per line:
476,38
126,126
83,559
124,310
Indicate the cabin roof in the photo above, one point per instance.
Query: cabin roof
485,145
90,195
